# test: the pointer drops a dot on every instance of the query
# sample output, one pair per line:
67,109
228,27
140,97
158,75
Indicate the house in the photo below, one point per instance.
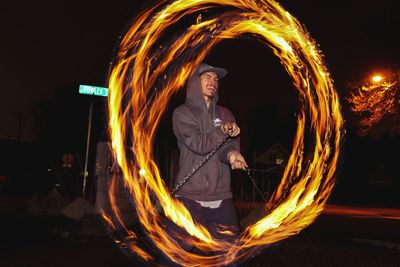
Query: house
274,155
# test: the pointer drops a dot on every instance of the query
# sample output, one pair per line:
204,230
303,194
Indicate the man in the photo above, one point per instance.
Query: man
199,125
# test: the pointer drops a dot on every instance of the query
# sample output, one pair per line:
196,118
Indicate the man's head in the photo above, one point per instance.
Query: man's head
209,79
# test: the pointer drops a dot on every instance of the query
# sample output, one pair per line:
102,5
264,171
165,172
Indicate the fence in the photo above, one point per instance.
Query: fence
246,195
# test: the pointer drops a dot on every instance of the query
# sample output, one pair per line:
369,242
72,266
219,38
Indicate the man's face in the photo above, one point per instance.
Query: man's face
209,84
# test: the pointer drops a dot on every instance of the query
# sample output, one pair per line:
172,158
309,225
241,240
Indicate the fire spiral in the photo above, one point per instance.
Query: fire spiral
154,61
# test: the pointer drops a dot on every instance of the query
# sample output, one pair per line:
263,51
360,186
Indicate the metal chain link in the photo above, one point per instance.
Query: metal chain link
255,185
203,161
198,166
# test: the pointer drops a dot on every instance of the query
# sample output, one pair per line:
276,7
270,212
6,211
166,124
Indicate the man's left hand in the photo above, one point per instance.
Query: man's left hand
237,161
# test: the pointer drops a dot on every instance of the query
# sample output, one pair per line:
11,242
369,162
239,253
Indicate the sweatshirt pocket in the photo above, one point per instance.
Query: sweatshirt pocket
196,184
211,176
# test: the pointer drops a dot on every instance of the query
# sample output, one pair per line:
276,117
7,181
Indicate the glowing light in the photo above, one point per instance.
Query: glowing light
142,172
145,76
377,78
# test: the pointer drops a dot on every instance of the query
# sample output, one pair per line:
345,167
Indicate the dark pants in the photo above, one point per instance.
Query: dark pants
222,218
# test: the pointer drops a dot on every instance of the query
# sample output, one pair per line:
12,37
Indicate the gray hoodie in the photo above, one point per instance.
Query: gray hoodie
198,131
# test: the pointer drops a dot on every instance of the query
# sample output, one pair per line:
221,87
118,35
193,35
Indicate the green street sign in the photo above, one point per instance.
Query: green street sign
93,90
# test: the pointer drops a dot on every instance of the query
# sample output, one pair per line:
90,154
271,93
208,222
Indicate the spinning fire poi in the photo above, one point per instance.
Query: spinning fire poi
147,72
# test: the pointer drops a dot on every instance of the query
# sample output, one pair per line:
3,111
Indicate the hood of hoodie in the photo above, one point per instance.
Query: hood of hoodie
194,93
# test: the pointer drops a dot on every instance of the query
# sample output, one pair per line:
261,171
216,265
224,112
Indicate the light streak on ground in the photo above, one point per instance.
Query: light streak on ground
147,72
363,212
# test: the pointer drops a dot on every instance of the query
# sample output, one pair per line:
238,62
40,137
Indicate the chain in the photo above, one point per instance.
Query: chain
255,185
198,166
179,185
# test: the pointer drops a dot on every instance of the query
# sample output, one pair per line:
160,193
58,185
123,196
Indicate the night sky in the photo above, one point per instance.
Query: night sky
48,49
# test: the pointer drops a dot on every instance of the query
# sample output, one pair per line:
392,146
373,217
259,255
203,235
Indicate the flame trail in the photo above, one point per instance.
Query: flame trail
147,72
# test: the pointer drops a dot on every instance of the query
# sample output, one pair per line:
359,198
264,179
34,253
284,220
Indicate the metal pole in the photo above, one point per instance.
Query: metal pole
85,172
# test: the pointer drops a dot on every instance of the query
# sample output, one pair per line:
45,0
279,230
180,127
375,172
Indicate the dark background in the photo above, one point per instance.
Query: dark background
48,49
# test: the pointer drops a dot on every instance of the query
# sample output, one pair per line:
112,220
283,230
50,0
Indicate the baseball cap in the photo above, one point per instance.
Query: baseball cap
203,67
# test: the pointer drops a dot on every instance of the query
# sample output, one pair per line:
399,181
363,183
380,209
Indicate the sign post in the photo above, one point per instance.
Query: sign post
93,91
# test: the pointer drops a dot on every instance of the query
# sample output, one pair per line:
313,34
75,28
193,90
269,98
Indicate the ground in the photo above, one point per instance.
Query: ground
335,239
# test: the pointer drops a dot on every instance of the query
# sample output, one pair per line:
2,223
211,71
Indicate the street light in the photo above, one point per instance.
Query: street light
377,78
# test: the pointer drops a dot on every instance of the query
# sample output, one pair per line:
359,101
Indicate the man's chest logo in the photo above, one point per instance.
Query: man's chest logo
217,122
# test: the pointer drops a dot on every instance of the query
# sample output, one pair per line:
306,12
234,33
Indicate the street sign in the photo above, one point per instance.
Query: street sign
90,90
93,90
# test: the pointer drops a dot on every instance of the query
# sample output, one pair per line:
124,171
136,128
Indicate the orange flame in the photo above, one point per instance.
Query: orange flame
144,77
372,102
